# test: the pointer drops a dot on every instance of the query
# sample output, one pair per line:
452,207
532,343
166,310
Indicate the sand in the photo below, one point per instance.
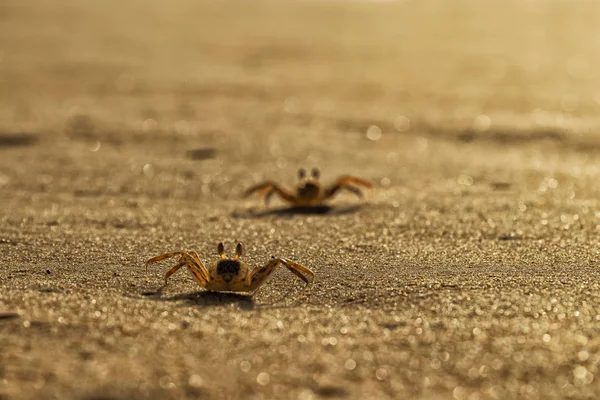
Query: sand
130,129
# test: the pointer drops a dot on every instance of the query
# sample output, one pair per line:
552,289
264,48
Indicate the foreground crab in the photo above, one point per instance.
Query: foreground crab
230,274
308,190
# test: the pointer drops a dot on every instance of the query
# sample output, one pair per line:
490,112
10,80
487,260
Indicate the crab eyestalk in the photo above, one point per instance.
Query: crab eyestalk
315,173
301,173
221,251
239,250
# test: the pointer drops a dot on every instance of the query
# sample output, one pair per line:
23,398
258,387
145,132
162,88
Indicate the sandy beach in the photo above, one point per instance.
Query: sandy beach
131,129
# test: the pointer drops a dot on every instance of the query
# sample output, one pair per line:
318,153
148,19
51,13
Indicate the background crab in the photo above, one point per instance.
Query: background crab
309,191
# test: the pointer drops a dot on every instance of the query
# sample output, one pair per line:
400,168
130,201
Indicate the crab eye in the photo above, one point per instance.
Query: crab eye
301,173
315,173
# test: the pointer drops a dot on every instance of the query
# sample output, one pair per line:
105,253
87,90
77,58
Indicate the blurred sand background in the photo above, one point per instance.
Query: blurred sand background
131,128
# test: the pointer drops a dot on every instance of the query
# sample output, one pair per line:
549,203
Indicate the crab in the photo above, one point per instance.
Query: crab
230,274
309,192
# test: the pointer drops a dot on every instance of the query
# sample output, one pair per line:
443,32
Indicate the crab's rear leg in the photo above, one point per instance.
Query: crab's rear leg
299,270
173,270
191,260
163,257
262,274
267,189
197,269
199,273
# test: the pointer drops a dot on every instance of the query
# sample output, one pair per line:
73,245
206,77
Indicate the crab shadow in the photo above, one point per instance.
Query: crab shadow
204,299
17,139
291,211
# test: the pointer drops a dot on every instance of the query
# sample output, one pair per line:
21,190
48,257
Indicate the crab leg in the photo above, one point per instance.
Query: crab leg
164,257
197,268
198,273
348,179
173,270
262,274
267,189
298,269
190,260
346,182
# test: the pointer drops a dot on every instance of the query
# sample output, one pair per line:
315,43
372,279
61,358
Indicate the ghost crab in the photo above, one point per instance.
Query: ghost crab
230,274
309,192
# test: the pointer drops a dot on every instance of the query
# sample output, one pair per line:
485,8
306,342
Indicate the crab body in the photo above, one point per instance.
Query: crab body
309,191
230,274
227,276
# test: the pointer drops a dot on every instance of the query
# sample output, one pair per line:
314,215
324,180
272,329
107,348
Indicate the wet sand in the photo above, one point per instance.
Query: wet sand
130,129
